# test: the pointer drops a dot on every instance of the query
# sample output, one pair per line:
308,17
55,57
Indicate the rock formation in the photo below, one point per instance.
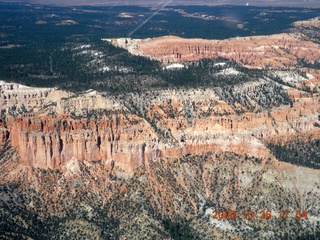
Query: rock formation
280,51
275,51
105,166
92,127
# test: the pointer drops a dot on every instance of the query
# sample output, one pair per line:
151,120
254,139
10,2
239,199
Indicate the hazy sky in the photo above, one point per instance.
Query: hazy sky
302,3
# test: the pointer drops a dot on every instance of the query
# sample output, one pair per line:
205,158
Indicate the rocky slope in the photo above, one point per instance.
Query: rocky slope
156,164
296,50
167,200
133,129
282,50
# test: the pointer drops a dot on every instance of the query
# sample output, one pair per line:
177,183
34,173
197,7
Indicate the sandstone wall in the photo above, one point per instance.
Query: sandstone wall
129,141
50,127
276,51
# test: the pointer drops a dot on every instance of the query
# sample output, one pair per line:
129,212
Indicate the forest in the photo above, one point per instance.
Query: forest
38,44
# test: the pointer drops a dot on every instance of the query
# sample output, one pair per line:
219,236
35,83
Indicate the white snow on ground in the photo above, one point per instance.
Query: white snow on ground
125,15
219,64
83,46
290,77
93,53
309,76
118,69
105,69
98,61
229,71
175,66
123,69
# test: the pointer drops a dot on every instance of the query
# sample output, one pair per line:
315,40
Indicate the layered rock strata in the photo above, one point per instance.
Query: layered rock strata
92,127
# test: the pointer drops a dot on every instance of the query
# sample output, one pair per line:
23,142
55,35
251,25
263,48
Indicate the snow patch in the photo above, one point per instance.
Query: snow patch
125,15
83,47
105,69
229,71
309,76
116,68
175,66
93,53
219,64
290,77
67,22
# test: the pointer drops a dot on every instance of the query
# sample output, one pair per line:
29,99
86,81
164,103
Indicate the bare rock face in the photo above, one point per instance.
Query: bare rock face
49,127
275,51
13,95
4,136
92,127
279,51
48,142
315,22
66,158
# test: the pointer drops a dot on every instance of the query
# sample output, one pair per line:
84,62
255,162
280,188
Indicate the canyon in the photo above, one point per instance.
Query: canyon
295,50
140,164
166,123
48,127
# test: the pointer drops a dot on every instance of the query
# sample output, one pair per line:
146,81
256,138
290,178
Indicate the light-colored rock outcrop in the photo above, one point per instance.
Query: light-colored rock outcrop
15,95
279,51
171,123
49,127
276,51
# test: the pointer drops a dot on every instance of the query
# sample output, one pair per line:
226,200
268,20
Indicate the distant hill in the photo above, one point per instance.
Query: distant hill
286,3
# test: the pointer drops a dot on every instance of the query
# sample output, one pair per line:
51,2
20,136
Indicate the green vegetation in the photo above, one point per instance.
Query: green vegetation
39,48
298,152
170,200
